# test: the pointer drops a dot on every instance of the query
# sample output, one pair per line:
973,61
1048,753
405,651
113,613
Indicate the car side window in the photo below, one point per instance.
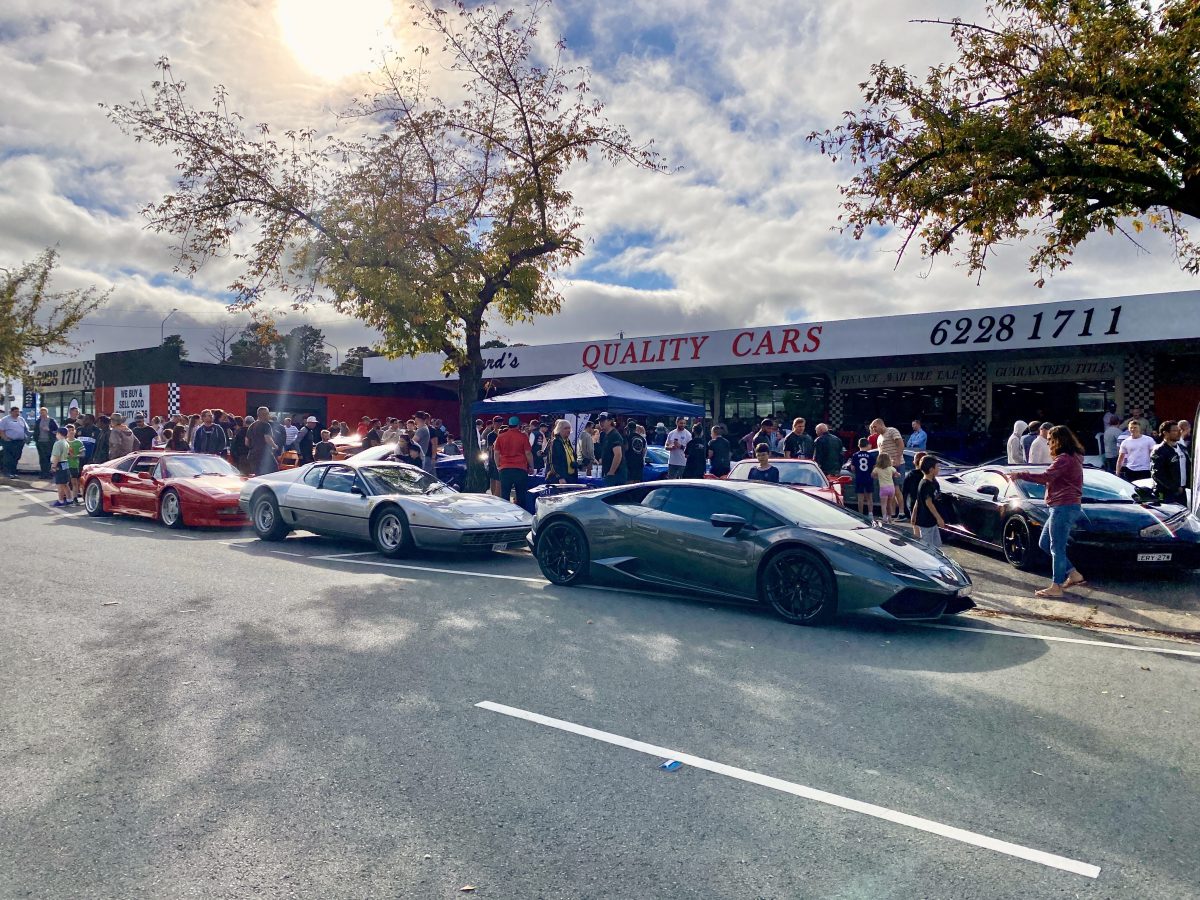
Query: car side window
994,479
313,476
126,464
339,479
144,464
160,471
701,505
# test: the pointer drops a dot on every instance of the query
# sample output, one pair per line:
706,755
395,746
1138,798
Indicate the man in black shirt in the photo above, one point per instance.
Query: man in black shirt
307,439
798,444
719,452
612,452
827,450
145,435
263,457
635,453
696,453
764,435
1169,466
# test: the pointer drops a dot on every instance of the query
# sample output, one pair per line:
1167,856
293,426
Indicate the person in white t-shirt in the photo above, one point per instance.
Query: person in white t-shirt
676,445
1133,460
1039,450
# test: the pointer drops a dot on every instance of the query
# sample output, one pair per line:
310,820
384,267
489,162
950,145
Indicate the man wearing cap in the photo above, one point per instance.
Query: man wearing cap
209,437
15,432
307,439
612,451
514,459
145,434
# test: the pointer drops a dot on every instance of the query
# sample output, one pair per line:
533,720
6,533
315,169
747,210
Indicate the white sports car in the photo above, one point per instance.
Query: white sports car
393,505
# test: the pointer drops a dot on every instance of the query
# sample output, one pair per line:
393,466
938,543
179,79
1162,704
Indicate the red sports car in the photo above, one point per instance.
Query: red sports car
176,488
800,475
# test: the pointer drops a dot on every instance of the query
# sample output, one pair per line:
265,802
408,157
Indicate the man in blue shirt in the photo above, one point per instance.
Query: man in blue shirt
918,439
15,432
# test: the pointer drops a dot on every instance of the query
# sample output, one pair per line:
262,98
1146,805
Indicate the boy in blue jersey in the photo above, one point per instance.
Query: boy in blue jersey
861,464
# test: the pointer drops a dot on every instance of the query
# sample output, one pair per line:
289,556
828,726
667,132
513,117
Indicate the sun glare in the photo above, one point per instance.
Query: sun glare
334,40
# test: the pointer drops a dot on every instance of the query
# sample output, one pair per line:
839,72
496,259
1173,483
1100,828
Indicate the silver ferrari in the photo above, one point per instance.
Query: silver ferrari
393,505
745,541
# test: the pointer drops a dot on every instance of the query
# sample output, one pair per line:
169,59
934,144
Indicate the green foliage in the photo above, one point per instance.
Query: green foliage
302,350
1058,118
176,341
353,363
35,319
445,214
256,345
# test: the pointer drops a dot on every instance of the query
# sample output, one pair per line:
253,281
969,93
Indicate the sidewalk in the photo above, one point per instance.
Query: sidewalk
1161,603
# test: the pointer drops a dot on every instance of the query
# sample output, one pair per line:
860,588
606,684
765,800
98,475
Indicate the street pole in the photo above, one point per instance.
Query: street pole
337,354
162,327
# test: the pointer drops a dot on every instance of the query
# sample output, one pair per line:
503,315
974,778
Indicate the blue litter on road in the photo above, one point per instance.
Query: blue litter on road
671,765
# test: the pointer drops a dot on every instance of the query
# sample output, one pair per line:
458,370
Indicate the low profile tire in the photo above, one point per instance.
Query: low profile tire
562,553
93,500
170,509
389,532
264,516
1019,551
799,587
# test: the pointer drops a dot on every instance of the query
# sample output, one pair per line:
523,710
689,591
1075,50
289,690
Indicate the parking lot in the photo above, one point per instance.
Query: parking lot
202,714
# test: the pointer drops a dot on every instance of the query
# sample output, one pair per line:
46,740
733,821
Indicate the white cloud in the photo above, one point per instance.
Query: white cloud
728,89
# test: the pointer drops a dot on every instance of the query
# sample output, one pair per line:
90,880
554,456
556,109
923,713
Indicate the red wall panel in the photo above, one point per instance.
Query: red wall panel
1176,401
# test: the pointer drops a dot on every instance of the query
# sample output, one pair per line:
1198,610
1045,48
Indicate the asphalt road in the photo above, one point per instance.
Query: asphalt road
204,715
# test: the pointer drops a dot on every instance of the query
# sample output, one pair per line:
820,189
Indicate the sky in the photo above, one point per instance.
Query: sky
738,234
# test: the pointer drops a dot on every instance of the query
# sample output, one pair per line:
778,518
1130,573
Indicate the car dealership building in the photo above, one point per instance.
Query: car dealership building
157,382
973,370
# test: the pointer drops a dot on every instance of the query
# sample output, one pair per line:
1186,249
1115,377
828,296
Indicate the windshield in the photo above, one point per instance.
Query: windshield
201,464
400,480
800,474
804,509
1098,487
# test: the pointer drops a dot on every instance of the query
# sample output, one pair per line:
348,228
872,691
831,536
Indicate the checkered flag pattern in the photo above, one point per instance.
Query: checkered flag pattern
89,374
973,390
172,399
836,409
1139,381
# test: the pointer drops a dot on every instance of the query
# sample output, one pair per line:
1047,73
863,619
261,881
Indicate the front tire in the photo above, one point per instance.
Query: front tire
93,499
562,553
264,515
1018,545
170,510
389,532
799,587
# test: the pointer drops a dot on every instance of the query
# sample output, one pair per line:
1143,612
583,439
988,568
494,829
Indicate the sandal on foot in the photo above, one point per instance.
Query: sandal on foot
1050,592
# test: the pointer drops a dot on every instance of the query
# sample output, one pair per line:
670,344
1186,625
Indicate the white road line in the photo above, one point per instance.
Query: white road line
38,500
288,553
1061,640
391,565
146,530
186,537
799,790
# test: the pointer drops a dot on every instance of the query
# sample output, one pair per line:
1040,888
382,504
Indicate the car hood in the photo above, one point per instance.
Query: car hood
897,547
481,506
210,485
1125,518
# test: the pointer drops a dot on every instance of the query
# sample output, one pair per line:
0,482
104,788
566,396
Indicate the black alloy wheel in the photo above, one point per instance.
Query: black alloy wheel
389,532
264,515
799,587
93,499
170,510
562,553
1018,545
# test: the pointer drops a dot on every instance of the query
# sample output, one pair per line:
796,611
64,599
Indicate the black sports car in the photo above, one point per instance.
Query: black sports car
1120,525
948,464
745,541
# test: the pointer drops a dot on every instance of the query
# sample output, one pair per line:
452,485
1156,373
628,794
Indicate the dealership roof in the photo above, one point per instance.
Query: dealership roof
1044,327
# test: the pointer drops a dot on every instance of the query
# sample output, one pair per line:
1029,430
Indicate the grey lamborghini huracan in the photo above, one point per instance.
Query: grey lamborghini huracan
745,541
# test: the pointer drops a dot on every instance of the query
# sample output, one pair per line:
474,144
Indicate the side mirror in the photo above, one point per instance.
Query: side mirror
989,490
145,476
356,489
117,477
732,524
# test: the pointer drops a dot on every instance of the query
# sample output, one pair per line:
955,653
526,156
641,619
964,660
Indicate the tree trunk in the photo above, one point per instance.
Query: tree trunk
469,378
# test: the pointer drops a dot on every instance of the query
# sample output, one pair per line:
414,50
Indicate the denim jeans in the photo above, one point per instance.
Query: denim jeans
1055,534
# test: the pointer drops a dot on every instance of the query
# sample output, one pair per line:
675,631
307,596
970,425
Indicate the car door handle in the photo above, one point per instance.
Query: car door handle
645,528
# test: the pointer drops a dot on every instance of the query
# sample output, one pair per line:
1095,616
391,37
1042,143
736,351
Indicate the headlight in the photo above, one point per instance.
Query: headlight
1168,527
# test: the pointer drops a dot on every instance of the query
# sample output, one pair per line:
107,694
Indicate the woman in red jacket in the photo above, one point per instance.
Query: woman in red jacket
1063,479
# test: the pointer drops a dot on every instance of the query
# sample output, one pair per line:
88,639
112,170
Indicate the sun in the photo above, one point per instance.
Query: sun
334,40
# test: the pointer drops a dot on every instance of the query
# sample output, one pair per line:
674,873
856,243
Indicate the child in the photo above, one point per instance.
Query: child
324,447
74,462
912,481
926,520
885,477
764,471
61,467
861,464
